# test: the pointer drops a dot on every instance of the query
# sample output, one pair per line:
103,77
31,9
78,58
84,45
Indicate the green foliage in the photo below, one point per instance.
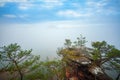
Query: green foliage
13,58
101,53
55,67
75,51
68,43
96,55
22,64
80,41
17,62
104,53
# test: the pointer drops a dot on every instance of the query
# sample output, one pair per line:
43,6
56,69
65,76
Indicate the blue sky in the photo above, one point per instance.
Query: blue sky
43,25
45,10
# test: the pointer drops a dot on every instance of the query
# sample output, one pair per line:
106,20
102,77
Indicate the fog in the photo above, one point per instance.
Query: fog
45,37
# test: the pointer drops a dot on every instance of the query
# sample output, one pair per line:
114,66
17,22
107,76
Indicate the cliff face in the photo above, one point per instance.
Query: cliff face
85,72
81,67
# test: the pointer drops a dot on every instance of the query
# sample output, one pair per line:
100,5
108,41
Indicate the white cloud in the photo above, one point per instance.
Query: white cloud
24,16
69,13
72,13
13,1
21,3
10,16
98,6
24,6
51,3
1,4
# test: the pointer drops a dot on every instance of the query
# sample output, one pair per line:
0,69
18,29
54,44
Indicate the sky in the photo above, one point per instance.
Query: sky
43,25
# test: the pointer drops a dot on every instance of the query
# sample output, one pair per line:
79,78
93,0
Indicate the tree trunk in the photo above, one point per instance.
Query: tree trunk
19,71
118,77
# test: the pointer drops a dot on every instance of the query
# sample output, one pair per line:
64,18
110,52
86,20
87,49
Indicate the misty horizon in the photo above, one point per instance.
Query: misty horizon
43,25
